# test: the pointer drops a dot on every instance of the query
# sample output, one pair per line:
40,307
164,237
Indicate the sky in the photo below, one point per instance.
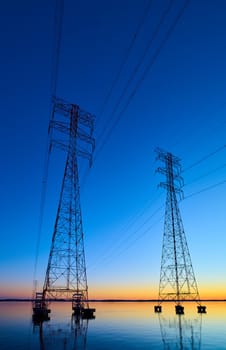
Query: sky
147,88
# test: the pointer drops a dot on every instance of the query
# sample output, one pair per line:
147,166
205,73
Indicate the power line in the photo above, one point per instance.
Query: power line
138,65
148,67
206,174
206,189
128,237
108,259
41,211
58,23
127,54
112,255
140,214
211,154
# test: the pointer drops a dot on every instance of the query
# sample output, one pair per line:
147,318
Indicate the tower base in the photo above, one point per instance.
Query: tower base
40,309
88,314
201,309
179,310
78,306
158,308
85,313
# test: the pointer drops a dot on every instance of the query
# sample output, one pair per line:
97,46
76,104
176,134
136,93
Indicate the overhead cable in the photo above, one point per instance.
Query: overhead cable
138,65
127,54
58,23
206,189
211,154
147,69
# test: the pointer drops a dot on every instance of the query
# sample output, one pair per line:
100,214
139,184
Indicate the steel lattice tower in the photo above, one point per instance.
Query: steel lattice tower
71,130
177,278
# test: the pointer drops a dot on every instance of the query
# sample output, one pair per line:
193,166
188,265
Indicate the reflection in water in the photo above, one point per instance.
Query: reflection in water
127,326
63,336
181,333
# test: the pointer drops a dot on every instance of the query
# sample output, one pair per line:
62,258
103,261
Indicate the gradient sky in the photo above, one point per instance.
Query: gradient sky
179,106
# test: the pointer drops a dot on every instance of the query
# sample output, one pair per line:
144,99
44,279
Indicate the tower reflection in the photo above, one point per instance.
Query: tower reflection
70,335
180,332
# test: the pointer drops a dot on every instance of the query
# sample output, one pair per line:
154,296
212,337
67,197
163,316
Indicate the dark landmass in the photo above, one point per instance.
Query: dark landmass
111,300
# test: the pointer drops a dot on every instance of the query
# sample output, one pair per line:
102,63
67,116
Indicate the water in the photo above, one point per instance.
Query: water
127,326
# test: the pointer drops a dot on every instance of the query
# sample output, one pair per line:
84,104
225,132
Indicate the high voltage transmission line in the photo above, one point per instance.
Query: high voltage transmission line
58,25
153,59
135,232
112,255
126,240
126,56
139,64
110,258
66,270
106,134
107,131
207,156
206,174
208,188
142,212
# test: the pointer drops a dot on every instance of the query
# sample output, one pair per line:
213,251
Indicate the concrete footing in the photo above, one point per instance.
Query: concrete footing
179,310
158,308
85,313
201,309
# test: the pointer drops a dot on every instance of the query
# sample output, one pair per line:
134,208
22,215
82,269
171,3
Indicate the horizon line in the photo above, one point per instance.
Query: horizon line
2,299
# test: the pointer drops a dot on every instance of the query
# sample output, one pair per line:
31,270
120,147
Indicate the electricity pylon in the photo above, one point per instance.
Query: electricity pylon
66,271
177,279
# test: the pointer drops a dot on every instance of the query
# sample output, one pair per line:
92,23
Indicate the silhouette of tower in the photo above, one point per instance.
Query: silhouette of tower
80,328
177,279
71,129
64,335
180,333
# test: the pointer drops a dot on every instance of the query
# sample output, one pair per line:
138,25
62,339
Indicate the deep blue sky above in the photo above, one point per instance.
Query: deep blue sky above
179,106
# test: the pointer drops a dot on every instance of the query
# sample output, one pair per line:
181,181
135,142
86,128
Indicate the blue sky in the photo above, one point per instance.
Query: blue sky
179,106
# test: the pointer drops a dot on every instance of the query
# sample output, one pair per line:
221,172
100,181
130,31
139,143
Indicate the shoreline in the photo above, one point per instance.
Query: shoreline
114,300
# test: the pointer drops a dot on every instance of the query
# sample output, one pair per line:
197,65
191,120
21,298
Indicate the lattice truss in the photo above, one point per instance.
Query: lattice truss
71,129
177,279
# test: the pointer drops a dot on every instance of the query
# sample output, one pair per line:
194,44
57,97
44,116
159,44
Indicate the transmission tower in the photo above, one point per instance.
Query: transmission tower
71,130
177,279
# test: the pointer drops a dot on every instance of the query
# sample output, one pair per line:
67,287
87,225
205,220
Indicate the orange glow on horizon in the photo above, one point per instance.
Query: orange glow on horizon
118,292
149,292
16,292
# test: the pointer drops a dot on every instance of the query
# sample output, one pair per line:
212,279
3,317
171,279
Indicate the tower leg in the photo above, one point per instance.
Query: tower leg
179,310
158,308
40,309
201,309
81,307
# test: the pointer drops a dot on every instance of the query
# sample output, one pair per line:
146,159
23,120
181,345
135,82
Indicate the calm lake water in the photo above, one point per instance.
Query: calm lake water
130,325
